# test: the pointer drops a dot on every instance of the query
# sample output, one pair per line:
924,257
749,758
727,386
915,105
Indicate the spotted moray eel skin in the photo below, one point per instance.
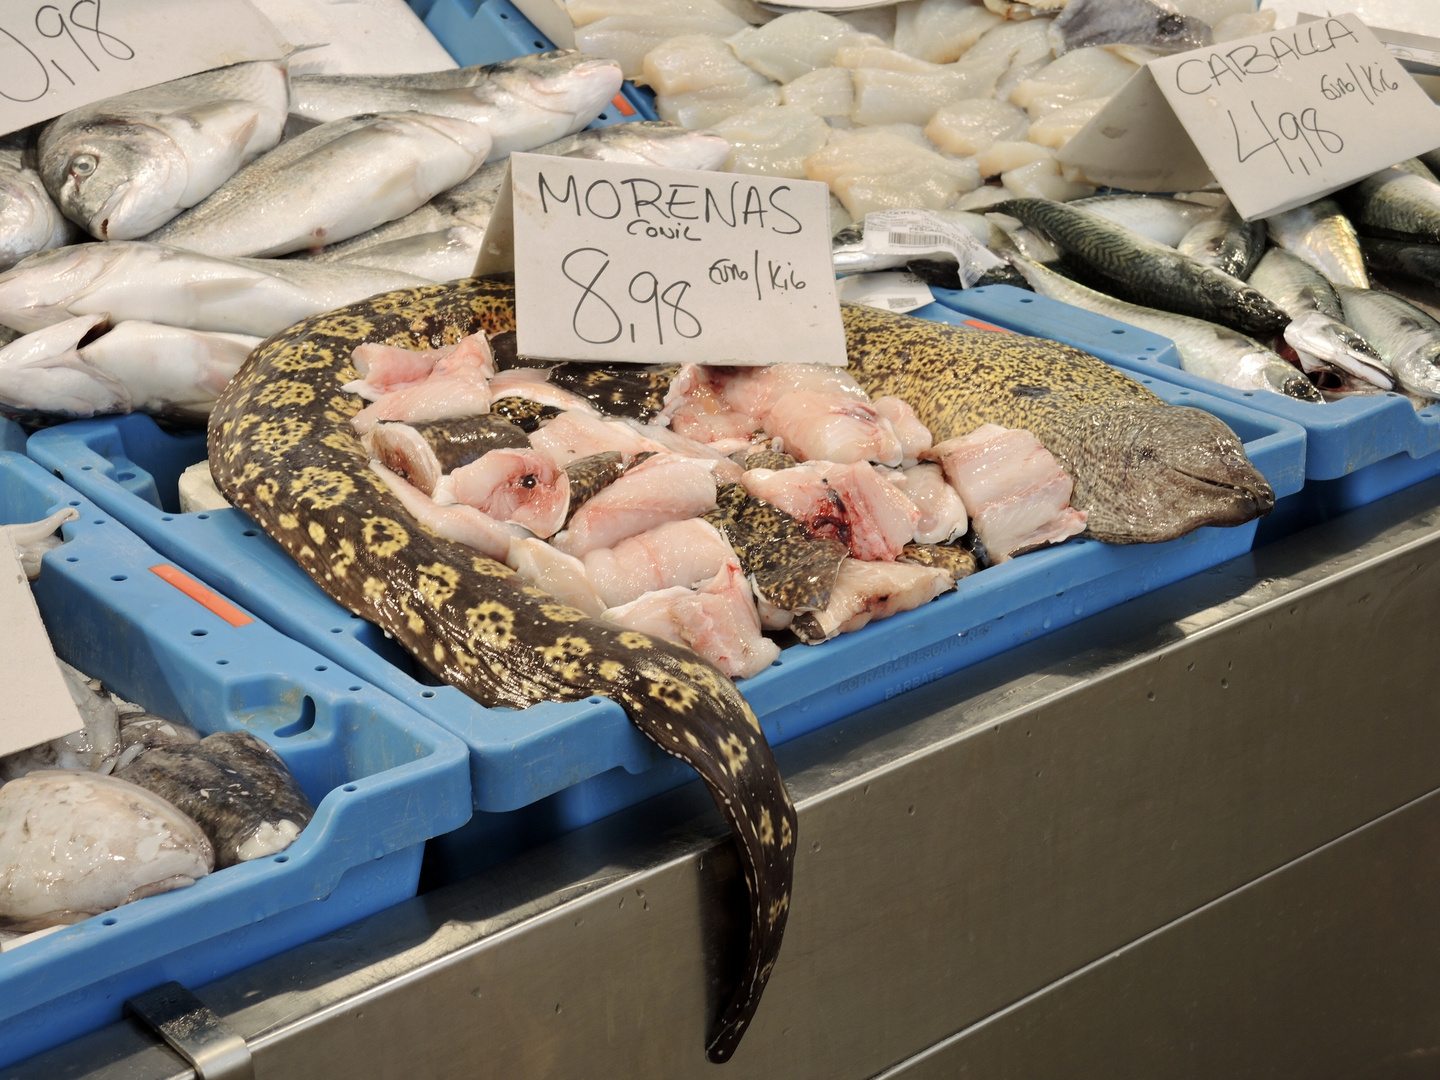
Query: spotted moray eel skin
282,449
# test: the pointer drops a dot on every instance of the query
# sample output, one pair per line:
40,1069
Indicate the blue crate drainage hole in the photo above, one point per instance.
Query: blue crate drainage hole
123,475
198,633
303,724
350,787
119,577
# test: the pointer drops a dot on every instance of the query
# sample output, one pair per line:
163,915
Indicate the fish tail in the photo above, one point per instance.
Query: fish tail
738,768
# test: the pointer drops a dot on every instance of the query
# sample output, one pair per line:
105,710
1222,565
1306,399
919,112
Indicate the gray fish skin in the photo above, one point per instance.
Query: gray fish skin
521,103
234,786
1419,168
1397,205
1127,22
441,240
1206,349
1418,262
1227,242
333,182
30,222
1317,330
1162,219
122,167
1323,236
131,279
1136,269
1407,338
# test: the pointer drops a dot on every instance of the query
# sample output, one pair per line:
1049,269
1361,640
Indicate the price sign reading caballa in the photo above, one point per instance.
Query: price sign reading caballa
625,263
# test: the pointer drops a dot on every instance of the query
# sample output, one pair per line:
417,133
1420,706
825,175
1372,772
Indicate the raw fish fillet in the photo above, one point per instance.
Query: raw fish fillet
908,97
386,368
698,81
719,621
574,435
877,56
525,487
940,30
562,576
1076,76
968,127
754,391
662,488
796,44
628,37
1022,44
879,170
1002,157
457,522
74,844
684,553
772,140
696,408
32,539
830,426
854,504
865,591
915,437
1016,492
942,512
1059,126
444,395
824,91
532,385
1044,179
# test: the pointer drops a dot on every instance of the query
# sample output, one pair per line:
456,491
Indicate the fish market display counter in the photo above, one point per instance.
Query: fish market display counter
1195,835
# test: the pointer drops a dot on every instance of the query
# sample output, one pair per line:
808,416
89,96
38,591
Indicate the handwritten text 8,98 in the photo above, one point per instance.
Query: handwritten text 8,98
596,321
50,35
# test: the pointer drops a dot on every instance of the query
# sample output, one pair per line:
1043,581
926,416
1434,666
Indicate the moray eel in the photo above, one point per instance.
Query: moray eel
1144,471
282,449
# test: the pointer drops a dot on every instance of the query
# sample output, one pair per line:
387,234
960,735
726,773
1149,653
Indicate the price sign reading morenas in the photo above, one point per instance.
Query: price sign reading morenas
626,263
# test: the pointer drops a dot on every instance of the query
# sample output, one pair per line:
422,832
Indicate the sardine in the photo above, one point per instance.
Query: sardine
1396,204
1206,348
131,279
135,367
235,787
29,219
122,167
521,103
1317,330
333,182
1127,22
1323,236
1405,337
1227,242
1131,267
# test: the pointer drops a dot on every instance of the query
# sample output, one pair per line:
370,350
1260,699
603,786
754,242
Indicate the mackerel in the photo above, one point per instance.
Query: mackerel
1396,204
1405,337
1227,242
1324,237
1417,262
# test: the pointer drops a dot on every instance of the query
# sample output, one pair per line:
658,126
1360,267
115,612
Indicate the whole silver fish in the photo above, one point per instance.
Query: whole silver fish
440,241
1159,217
1396,204
1227,242
1317,330
1206,349
135,367
122,167
521,103
132,279
1416,262
330,183
1323,236
1405,337
1126,22
29,219
1134,268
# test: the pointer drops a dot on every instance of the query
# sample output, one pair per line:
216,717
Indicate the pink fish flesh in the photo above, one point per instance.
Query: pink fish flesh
866,591
942,512
525,487
683,553
457,522
385,368
1017,493
832,426
915,437
532,385
663,488
755,391
695,407
561,575
574,435
853,503
404,451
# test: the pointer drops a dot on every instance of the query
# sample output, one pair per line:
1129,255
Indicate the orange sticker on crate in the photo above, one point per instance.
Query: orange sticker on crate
978,325
626,109
210,601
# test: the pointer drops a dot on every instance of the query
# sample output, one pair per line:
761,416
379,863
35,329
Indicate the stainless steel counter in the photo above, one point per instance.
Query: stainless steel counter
1193,836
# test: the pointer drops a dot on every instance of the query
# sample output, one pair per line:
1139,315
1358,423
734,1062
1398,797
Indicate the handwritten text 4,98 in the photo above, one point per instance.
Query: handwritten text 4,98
1300,132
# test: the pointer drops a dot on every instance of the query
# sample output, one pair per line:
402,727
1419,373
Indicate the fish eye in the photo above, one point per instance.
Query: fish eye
83,164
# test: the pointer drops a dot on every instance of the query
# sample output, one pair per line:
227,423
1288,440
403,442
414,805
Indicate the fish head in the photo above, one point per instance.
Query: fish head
1179,468
1244,305
1171,33
1418,369
38,291
115,177
564,81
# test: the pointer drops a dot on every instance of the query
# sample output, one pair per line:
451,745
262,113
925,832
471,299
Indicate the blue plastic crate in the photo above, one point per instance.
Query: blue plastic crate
496,30
12,436
1356,450
582,760
384,780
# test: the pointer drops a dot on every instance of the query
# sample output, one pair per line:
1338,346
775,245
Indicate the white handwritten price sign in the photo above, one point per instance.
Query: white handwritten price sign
1280,119
56,56
628,263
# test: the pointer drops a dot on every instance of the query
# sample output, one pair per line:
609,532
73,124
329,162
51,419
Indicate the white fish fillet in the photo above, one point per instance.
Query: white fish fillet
877,56
574,435
943,519
914,436
879,170
562,576
684,553
628,37
663,488
772,140
855,504
1002,156
1059,126
829,426
866,591
448,393
907,97
940,30
797,43
698,82
1044,179
1079,75
824,91
970,126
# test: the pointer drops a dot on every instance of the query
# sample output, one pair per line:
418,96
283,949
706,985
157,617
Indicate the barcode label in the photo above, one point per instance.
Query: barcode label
903,303
912,239
912,233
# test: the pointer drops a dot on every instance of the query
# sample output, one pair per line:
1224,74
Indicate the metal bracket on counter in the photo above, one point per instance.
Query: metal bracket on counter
194,1032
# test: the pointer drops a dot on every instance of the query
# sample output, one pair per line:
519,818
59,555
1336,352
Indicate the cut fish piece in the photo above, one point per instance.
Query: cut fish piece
525,487
796,44
1022,44
773,140
824,91
1059,126
696,408
629,37
532,384
907,97
1043,179
877,56
1016,492
446,394
386,368
423,452
940,30
969,127
879,170
866,591
1077,76
457,522
830,426
698,82
1002,157
854,504
942,512
574,435
561,575
685,553
915,437
662,488
754,391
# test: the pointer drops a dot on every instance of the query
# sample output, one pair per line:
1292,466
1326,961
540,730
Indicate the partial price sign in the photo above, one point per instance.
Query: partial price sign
1280,119
56,56
624,263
